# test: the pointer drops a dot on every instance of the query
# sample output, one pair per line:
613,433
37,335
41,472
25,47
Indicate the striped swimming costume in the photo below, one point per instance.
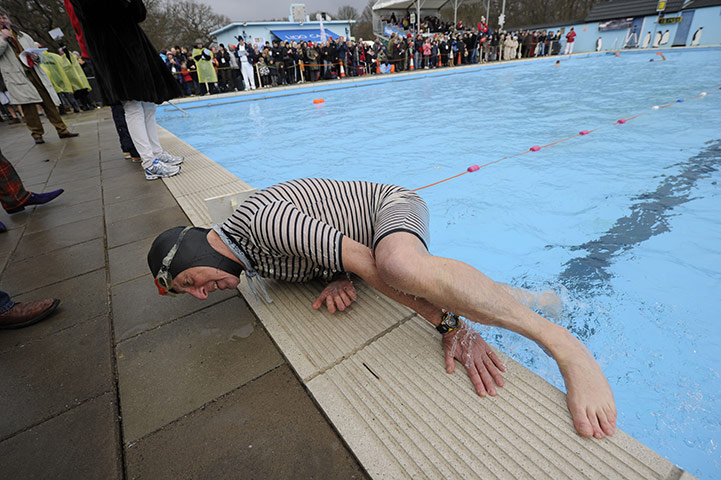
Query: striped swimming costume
292,231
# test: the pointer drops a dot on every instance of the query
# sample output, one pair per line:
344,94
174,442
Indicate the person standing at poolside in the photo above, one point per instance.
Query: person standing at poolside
246,66
570,40
28,85
317,228
130,72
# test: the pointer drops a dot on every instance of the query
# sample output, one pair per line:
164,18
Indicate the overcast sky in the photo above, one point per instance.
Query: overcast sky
254,10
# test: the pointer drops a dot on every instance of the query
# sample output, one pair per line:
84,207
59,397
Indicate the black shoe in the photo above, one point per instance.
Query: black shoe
39,140
14,121
68,135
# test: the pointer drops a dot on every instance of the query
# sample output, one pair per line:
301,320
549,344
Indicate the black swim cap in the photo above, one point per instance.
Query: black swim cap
193,251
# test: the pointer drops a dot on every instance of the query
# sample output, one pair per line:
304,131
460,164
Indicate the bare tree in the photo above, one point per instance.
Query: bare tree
181,22
168,22
364,27
38,17
347,12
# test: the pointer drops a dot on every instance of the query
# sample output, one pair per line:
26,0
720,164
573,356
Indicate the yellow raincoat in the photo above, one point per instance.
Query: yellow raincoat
75,73
206,70
52,64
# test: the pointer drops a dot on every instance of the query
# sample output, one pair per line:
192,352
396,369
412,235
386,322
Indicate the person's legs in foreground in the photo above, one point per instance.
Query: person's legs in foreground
121,126
24,314
13,196
140,118
33,122
403,269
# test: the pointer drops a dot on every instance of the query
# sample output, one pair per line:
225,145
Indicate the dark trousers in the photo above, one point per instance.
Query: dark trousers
30,111
121,126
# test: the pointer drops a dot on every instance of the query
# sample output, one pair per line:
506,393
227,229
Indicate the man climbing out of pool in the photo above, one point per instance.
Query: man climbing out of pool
315,228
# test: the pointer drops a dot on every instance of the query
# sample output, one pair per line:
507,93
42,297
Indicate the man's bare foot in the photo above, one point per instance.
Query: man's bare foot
589,397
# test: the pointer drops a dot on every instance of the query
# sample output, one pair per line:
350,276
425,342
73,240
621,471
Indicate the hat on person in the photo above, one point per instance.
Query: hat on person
191,250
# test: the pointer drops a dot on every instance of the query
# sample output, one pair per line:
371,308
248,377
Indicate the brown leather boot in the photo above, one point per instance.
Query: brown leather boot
24,314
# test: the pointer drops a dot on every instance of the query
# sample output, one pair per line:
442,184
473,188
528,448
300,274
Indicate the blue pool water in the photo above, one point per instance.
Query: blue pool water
625,223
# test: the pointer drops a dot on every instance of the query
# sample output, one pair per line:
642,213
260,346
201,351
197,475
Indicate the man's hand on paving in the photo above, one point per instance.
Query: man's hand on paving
482,364
338,295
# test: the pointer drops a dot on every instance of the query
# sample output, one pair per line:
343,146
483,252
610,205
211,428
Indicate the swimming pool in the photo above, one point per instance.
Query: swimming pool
624,223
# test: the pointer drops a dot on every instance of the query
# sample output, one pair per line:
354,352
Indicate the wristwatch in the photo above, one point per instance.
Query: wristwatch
449,322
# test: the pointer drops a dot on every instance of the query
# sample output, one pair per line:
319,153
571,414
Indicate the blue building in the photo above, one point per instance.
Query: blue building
297,28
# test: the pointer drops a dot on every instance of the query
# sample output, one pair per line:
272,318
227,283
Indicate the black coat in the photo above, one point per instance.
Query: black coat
127,66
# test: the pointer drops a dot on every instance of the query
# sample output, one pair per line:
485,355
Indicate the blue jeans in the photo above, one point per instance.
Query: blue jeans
6,302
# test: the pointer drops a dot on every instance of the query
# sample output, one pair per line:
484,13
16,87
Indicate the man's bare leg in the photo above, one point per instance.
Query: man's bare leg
403,262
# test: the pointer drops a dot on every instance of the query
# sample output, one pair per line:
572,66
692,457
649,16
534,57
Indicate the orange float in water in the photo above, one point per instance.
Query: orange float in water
318,100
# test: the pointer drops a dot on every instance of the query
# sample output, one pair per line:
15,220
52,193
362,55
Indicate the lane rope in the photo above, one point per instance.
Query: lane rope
582,133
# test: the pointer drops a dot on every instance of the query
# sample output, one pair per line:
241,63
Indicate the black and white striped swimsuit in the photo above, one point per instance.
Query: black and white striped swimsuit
292,231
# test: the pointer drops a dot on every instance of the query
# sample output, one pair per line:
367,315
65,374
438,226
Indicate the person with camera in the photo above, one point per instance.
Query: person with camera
28,84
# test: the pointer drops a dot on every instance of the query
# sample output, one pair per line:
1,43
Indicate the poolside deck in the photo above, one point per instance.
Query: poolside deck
122,383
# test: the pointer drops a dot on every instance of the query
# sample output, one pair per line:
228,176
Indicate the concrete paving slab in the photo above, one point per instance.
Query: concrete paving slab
46,241
33,178
137,307
25,275
80,443
16,220
81,300
71,171
129,261
113,171
175,369
71,182
35,165
48,376
143,205
131,187
74,195
9,240
268,429
144,225
4,258
49,216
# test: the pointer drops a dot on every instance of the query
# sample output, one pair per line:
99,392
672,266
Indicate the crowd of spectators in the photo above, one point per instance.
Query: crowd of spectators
218,68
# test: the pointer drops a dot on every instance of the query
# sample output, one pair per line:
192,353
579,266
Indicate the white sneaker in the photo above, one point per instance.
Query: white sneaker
160,170
170,159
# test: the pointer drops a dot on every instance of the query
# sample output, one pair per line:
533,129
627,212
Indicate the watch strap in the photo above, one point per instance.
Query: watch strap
443,327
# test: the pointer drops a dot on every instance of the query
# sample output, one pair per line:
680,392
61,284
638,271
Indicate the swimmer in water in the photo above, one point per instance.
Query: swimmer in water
314,228
557,64
663,57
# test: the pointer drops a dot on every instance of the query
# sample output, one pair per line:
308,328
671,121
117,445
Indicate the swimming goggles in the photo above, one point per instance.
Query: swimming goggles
164,280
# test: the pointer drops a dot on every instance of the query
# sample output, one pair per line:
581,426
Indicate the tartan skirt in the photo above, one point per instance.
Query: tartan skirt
12,191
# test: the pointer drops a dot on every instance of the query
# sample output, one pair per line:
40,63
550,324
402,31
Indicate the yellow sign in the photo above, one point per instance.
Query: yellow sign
661,6
669,20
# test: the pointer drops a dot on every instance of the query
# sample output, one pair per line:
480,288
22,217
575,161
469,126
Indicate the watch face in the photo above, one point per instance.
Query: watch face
452,321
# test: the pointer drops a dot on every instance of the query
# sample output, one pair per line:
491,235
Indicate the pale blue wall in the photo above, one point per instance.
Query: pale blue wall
709,18
261,33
